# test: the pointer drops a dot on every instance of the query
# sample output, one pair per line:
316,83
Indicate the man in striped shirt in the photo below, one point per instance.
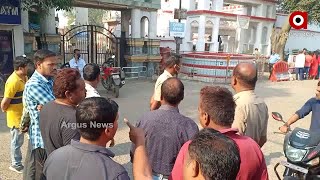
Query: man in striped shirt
12,105
38,91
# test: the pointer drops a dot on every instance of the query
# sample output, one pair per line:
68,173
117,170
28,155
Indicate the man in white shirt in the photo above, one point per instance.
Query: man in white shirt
77,62
91,76
299,65
172,67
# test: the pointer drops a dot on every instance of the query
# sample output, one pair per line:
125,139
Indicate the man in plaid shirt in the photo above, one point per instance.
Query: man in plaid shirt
38,91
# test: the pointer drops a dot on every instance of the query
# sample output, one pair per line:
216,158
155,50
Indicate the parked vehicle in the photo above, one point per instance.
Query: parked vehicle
302,150
112,78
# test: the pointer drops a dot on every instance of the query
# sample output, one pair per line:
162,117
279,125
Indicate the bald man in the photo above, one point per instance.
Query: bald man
251,115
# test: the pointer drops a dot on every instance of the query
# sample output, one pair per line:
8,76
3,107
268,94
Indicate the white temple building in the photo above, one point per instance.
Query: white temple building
233,26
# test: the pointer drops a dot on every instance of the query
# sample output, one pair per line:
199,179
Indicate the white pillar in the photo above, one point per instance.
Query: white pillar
186,45
241,36
259,10
135,23
258,36
125,17
215,34
25,20
48,24
217,5
268,39
19,40
264,8
192,4
82,17
203,4
201,33
152,24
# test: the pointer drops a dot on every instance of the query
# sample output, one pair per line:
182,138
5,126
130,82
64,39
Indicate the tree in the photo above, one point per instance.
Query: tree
95,16
279,39
42,6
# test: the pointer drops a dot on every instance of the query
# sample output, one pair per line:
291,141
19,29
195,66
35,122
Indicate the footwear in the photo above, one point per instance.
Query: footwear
17,169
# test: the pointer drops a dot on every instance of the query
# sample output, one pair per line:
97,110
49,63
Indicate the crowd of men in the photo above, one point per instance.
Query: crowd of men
70,125
306,64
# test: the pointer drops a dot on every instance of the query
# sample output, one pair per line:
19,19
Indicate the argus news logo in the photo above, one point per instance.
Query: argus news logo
299,20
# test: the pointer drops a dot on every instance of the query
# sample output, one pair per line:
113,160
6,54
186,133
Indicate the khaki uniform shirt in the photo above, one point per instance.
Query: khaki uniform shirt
157,88
251,115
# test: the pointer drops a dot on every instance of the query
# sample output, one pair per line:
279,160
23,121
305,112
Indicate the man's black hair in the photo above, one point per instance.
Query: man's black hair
217,155
91,72
20,62
95,110
219,104
74,51
172,60
172,91
42,54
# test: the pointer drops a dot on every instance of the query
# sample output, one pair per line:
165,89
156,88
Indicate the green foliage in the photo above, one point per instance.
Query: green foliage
310,6
71,15
42,6
95,16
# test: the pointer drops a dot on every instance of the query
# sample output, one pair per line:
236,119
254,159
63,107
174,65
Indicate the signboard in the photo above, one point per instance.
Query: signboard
243,22
177,29
10,12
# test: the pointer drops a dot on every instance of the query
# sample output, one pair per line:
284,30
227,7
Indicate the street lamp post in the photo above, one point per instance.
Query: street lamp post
178,39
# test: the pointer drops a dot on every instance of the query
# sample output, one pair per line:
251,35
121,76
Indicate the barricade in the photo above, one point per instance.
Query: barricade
280,72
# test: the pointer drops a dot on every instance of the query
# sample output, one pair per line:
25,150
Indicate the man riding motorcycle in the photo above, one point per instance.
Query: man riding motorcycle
313,105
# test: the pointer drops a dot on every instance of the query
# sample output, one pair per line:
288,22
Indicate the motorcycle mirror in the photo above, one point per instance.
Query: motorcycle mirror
277,116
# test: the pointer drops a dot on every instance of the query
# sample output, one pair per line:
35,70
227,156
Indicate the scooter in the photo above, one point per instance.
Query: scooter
113,78
302,150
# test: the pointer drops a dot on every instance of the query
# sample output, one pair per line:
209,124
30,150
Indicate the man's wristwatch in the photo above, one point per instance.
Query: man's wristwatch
286,124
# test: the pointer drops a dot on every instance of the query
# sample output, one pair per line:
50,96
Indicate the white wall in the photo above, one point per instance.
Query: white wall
18,41
299,39
166,43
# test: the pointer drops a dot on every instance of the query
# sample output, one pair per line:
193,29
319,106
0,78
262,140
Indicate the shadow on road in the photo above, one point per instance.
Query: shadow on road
121,149
273,155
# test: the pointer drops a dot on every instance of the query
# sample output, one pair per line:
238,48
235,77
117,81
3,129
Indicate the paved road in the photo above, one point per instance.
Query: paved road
284,97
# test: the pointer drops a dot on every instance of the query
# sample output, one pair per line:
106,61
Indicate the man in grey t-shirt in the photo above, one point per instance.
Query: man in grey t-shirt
58,118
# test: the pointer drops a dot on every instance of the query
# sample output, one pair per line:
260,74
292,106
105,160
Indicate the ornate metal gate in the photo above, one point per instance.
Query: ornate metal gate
95,43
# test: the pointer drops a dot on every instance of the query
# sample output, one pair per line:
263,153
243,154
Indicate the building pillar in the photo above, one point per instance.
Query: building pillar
203,5
82,17
48,24
215,35
136,23
125,18
241,36
258,36
25,20
18,40
153,27
217,5
201,34
192,4
186,45
270,28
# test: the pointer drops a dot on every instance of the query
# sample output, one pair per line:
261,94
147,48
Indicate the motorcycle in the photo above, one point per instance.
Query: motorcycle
302,150
113,78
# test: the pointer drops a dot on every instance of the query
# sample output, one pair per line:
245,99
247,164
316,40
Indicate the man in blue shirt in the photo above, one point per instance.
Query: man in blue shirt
274,58
38,91
313,105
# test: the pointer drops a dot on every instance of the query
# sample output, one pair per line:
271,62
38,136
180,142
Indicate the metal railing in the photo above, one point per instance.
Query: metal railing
135,72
